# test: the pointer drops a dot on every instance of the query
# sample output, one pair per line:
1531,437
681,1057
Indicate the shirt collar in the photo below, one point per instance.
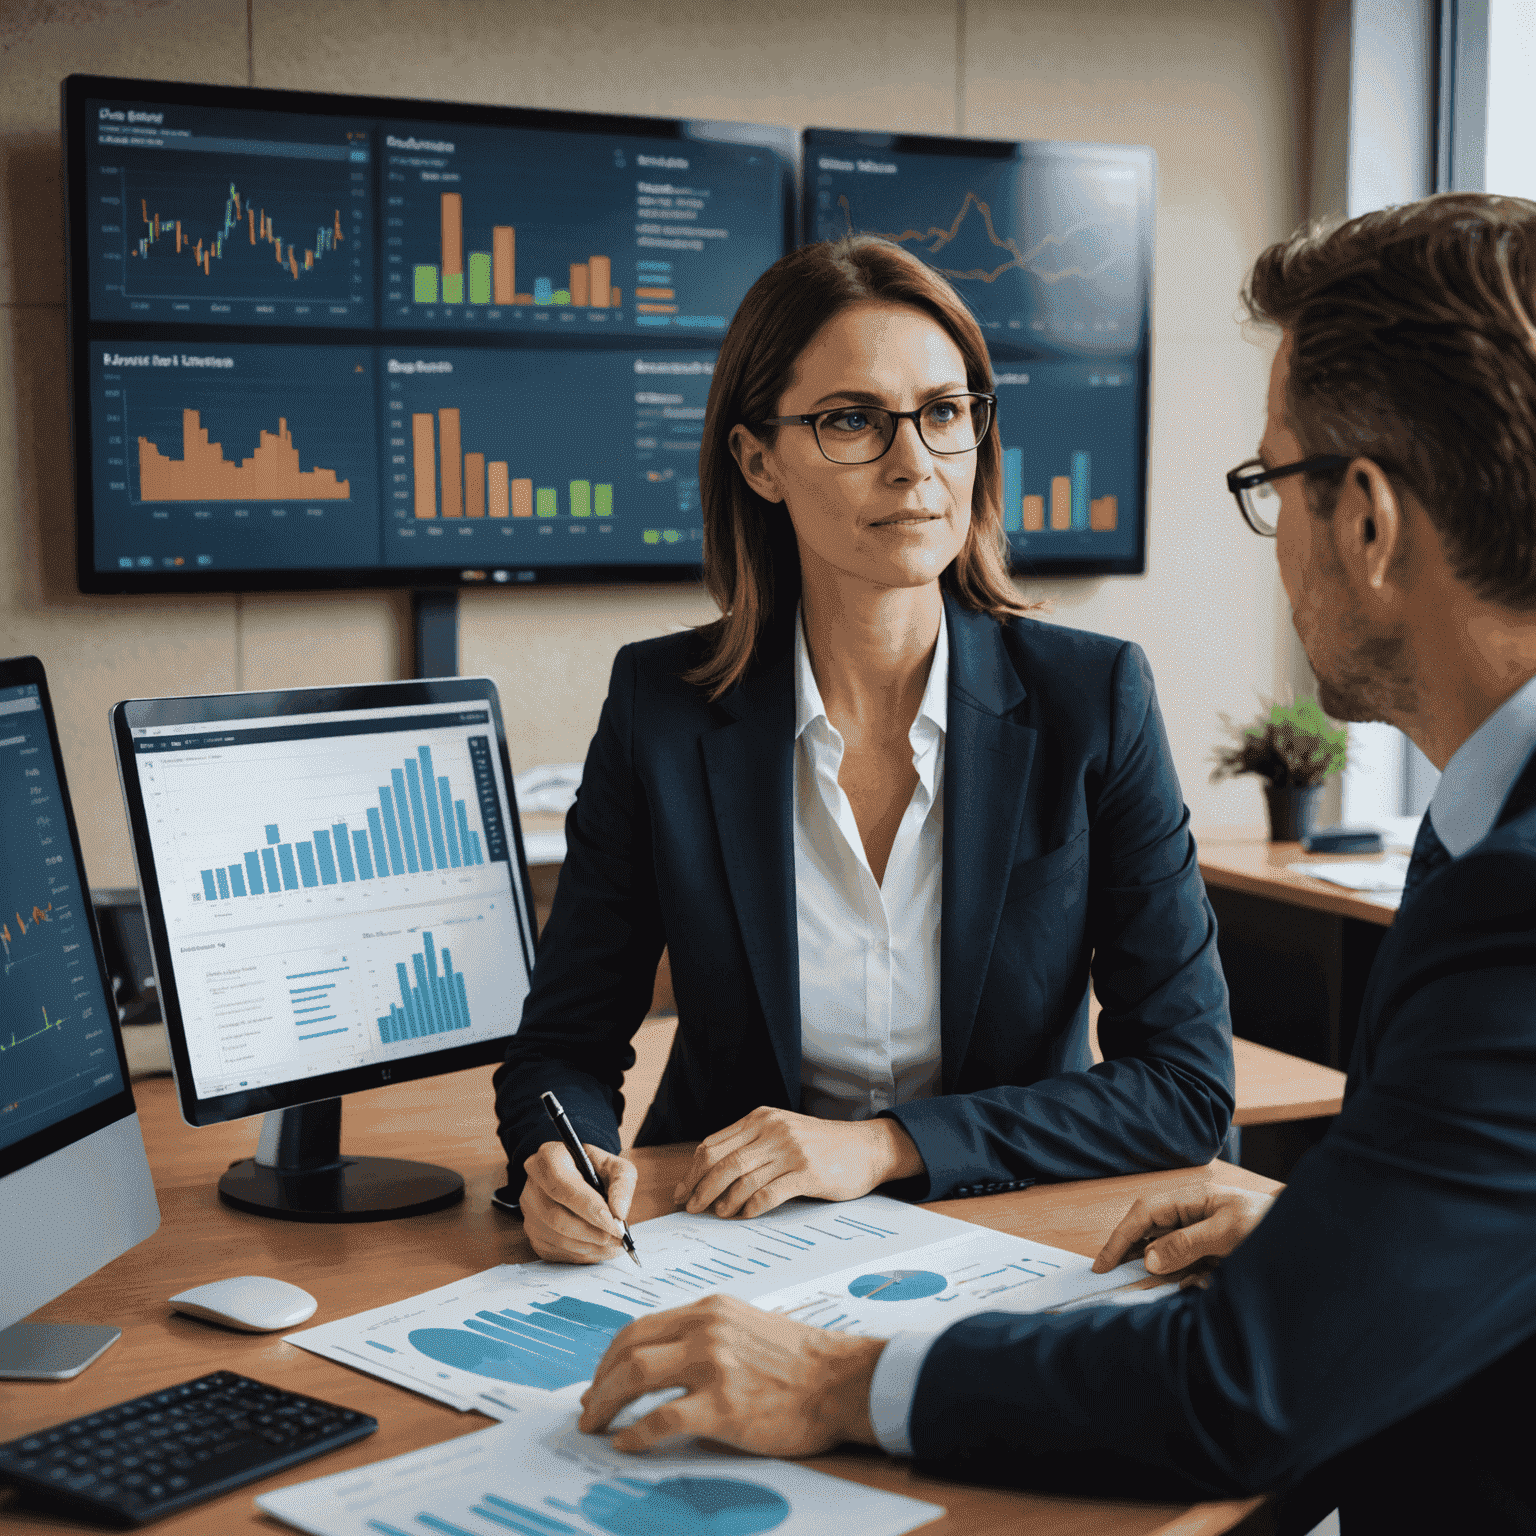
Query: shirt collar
1478,779
932,713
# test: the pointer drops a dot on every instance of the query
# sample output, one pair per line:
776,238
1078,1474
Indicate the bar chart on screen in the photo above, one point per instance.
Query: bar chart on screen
1071,470
526,230
471,459
418,823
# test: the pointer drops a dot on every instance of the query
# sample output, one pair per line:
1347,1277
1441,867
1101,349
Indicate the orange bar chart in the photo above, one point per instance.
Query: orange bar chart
499,504
474,485
271,473
580,275
503,263
1034,514
424,462
600,282
1061,502
1103,514
453,247
452,472
522,498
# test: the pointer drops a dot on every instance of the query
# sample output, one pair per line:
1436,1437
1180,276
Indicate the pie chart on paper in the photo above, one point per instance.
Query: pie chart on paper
898,1285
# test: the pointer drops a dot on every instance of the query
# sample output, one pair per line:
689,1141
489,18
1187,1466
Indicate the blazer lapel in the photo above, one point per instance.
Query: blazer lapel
987,760
749,765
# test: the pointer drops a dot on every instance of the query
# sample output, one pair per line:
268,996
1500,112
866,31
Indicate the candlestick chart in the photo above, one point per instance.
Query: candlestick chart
233,227
56,1042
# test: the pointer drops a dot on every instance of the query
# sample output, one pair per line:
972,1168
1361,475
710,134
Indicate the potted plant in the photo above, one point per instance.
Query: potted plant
1293,748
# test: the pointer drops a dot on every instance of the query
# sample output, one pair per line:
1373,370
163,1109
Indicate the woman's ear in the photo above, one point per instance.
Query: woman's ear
752,458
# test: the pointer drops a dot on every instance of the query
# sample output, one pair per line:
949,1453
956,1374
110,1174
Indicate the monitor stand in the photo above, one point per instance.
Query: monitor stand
52,1351
299,1174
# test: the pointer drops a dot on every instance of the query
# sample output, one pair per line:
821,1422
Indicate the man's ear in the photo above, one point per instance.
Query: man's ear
1370,531
752,459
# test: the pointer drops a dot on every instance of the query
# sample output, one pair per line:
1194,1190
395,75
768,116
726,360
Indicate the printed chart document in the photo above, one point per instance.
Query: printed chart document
490,1340
538,1475
496,1340
930,1287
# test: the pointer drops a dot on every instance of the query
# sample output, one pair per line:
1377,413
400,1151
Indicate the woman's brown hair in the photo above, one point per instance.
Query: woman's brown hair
751,561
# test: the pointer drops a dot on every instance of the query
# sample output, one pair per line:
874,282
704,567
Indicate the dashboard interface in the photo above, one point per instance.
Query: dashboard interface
328,339
337,889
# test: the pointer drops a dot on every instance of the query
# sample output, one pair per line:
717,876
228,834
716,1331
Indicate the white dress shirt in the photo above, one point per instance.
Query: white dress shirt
869,950
1467,802
1478,779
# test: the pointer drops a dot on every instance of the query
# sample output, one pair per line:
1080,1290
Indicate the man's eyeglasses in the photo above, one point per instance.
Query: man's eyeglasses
1258,500
860,434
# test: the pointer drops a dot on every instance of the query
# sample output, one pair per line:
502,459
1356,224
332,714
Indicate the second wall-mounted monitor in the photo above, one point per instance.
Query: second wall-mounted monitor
1050,244
326,340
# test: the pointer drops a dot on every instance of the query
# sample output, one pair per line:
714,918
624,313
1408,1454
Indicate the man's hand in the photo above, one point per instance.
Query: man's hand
773,1155
1180,1230
565,1218
754,1380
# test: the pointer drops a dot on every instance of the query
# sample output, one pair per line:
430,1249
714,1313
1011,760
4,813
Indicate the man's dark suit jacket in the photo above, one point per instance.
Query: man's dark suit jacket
1373,1344
1065,841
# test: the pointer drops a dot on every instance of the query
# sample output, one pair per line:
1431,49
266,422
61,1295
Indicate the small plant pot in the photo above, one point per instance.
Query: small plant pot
1292,811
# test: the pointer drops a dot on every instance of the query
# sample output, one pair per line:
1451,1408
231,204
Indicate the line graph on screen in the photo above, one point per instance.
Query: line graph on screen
1020,260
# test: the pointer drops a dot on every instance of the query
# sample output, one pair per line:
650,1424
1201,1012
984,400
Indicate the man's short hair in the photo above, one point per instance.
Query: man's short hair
1412,345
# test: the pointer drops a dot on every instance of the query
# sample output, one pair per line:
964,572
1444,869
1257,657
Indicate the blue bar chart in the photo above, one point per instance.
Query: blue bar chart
555,1344
417,826
436,1004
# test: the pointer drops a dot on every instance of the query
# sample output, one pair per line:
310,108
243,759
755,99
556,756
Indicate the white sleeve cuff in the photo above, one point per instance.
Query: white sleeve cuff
894,1386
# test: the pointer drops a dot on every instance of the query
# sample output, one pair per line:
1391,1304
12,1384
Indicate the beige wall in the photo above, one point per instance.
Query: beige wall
1212,85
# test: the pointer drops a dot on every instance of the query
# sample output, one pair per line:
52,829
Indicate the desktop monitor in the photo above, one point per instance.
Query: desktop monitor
337,899
75,1188
327,341
1050,244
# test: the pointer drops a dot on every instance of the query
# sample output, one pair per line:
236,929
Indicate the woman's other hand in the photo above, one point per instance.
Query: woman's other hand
773,1155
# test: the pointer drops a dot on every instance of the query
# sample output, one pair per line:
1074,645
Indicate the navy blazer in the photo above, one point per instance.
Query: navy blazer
1066,843
1372,1344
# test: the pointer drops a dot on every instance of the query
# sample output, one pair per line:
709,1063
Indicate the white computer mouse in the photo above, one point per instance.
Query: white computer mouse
253,1303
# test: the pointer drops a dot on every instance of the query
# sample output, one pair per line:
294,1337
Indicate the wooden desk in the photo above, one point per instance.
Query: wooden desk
1296,951
350,1268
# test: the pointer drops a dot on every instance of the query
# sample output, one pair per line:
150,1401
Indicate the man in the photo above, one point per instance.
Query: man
1371,1342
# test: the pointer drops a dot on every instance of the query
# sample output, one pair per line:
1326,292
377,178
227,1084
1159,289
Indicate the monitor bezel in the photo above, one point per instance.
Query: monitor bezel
82,330
19,671
1001,350
289,703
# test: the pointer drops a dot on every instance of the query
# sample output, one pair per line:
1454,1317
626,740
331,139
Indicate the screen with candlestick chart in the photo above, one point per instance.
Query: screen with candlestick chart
1050,246
250,272
57,1051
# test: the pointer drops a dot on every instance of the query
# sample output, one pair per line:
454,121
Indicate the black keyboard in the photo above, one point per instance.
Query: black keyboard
142,1459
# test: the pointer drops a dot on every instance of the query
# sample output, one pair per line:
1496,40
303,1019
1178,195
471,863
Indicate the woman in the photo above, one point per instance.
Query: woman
873,734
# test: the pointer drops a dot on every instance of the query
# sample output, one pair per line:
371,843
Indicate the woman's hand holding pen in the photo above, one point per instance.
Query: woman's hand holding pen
772,1155
564,1219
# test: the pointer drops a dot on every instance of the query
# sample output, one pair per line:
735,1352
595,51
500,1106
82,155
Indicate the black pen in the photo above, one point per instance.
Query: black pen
583,1162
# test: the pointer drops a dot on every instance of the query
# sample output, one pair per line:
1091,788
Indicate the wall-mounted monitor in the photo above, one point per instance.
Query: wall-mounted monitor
324,341
1051,246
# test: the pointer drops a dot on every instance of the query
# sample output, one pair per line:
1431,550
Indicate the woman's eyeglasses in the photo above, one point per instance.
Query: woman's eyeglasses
860,434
